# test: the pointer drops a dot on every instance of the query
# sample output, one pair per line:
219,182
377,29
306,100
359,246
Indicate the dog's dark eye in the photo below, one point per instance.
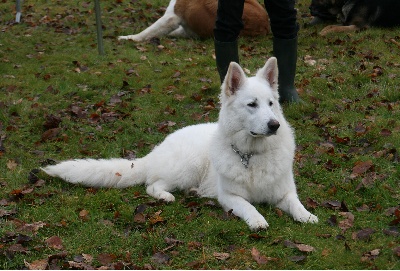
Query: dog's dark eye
270,103
252,104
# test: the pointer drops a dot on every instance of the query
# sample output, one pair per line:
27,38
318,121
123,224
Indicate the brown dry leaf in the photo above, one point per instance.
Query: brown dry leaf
194,245
160,258
305,248
33,228
50,134
364,234
311,203
4,213
386,132
83,214
37,265
325,252
106,258
371,255
360,129
260,259
139,218
396,251
221,256
348,222
17,248
179,97
12,164
362,167
297,259
54,242
156,218
87,257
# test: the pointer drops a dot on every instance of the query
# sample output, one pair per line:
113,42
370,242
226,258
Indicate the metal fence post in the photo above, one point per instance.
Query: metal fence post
100,45
18,8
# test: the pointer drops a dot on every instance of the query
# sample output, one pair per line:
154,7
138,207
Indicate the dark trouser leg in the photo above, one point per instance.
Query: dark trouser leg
227,28
284,28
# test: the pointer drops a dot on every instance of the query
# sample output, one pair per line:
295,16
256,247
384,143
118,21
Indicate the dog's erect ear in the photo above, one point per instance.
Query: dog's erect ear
270,72
234,79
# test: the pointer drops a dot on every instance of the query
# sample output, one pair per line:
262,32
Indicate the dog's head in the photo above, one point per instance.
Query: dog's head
251,104
325,10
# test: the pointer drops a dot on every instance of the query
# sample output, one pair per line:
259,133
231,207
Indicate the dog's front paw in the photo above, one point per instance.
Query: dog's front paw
257,223
306,218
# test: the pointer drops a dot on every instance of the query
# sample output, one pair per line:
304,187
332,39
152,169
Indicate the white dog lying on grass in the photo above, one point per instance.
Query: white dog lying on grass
247,157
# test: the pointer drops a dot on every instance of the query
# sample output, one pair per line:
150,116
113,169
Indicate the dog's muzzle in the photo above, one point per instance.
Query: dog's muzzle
273,126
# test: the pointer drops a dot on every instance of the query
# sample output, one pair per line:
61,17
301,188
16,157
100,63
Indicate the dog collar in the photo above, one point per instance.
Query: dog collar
244,157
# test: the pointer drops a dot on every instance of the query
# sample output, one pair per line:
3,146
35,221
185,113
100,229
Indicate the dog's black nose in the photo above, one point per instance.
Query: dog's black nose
273,125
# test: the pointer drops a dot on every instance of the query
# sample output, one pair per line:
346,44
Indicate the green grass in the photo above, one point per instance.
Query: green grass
117,104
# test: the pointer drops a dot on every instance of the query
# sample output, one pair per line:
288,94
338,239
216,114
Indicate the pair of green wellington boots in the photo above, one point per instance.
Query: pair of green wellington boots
285,50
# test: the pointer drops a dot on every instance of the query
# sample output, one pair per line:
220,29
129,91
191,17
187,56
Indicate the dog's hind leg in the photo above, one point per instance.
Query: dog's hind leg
162,27
181,32
159,189
338,28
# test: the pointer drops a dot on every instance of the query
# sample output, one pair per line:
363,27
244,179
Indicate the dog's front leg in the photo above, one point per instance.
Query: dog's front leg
291,204
243,209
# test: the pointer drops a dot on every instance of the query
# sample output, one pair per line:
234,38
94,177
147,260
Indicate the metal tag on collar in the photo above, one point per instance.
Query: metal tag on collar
244,157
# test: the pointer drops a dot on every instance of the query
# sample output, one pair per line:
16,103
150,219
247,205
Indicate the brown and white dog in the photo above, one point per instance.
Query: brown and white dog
196,18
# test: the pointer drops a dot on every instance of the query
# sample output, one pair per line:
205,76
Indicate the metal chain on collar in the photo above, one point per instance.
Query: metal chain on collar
244,157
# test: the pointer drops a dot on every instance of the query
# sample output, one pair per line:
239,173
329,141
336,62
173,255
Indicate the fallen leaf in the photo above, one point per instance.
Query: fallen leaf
346,223
297,259
50,134
37,265
83,214
325,252
156,218
332,204
139,218
172,241
311,203
12,164
332,221
54,242
364,234
221,256
260,259
392,231
362,167
305,248
4,213
160,258
371,255
51,122
106,258
396,251
32,228
256,236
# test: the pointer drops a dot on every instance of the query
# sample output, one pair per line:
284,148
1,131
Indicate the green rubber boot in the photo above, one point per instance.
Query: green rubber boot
225,53
285,50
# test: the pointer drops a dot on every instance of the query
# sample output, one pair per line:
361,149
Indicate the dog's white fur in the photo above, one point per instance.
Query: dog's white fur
203,157
196,18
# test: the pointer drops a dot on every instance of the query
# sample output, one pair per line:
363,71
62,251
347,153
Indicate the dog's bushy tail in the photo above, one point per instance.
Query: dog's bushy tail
117,173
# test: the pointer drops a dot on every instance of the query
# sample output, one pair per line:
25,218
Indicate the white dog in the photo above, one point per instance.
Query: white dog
246,157
196,18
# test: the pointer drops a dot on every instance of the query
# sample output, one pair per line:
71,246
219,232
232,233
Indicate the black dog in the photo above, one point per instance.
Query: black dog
355,14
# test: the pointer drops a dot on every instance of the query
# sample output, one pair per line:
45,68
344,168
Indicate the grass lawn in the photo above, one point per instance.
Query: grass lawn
59,99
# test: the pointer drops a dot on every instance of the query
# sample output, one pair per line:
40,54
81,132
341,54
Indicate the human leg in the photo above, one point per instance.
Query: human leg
284,27
228,25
